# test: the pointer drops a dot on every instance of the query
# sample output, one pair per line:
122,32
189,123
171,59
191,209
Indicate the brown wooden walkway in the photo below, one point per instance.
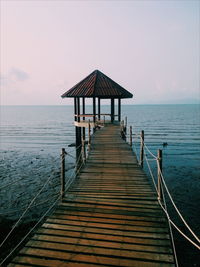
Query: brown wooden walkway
110,216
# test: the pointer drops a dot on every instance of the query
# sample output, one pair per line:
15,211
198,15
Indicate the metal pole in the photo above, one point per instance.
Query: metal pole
159,159
63,173
142,149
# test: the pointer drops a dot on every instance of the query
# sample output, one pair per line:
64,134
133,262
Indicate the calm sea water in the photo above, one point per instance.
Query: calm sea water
32,137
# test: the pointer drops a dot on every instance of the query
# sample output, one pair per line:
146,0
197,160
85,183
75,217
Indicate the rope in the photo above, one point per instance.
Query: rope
36,205
192,242
14,182
170,197
151,173
155,157
170,228
30,230
165,210
20,218
136,152
71,155
67,187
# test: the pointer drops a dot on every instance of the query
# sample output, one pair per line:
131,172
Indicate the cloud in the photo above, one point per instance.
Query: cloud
18,75
13,77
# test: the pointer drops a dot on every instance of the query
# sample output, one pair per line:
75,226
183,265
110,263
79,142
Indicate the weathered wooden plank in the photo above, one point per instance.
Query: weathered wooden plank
100,251
101,243
104,236
122,227
83,257
109,220
109,217
108,231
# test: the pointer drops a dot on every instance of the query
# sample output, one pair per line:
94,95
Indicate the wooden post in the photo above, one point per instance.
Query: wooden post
159,159
63,173
83,110
122,130
119,109
142,149
112,109
104,120
89,137
99,109
78,133
125,128
94,113
131,141
83,151
126,124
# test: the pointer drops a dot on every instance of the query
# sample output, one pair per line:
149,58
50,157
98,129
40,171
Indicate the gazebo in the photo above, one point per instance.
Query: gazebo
96,86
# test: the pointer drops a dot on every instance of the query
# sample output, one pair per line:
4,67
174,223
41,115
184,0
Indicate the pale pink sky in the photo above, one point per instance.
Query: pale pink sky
149,47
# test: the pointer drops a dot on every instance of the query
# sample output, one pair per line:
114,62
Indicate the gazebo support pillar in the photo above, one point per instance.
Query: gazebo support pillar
99,108
119,109
78,130
112,109
83,112
94,112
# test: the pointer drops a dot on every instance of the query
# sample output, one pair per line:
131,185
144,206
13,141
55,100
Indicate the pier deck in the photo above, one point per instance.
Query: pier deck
109,217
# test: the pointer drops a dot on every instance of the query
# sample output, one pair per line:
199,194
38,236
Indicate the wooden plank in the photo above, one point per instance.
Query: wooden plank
109,217
99,251
81,257
100,243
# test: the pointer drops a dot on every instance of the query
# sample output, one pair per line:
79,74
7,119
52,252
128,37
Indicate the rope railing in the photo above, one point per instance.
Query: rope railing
73,175
33,206
145,151
177,210
79,163
25,211
30,231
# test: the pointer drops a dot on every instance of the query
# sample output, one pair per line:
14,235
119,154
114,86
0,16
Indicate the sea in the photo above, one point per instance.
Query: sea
31,139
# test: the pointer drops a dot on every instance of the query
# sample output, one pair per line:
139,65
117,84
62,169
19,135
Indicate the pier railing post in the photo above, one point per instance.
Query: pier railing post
89,136
123,136
142,149
83,151
131,140
63,153
159,160
125,127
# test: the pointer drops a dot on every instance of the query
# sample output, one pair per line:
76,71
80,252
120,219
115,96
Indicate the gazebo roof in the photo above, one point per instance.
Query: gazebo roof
99,85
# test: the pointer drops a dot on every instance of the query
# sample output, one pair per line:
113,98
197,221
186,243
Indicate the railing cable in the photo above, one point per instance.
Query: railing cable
177,210
20,218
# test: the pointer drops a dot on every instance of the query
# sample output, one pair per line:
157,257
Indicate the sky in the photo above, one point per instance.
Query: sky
151,48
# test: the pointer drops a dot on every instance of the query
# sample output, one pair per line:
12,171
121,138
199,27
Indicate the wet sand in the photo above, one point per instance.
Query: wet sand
33,169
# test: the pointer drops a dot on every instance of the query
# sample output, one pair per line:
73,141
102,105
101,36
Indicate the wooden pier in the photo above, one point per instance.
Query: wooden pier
110,215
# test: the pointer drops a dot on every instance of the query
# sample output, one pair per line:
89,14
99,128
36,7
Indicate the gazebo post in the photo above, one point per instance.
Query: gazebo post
99,108
76,119
78,130
112,109
119,109
83,129
83,112
94,112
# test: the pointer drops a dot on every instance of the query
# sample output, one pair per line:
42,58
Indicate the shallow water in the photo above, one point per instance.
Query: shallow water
32,137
